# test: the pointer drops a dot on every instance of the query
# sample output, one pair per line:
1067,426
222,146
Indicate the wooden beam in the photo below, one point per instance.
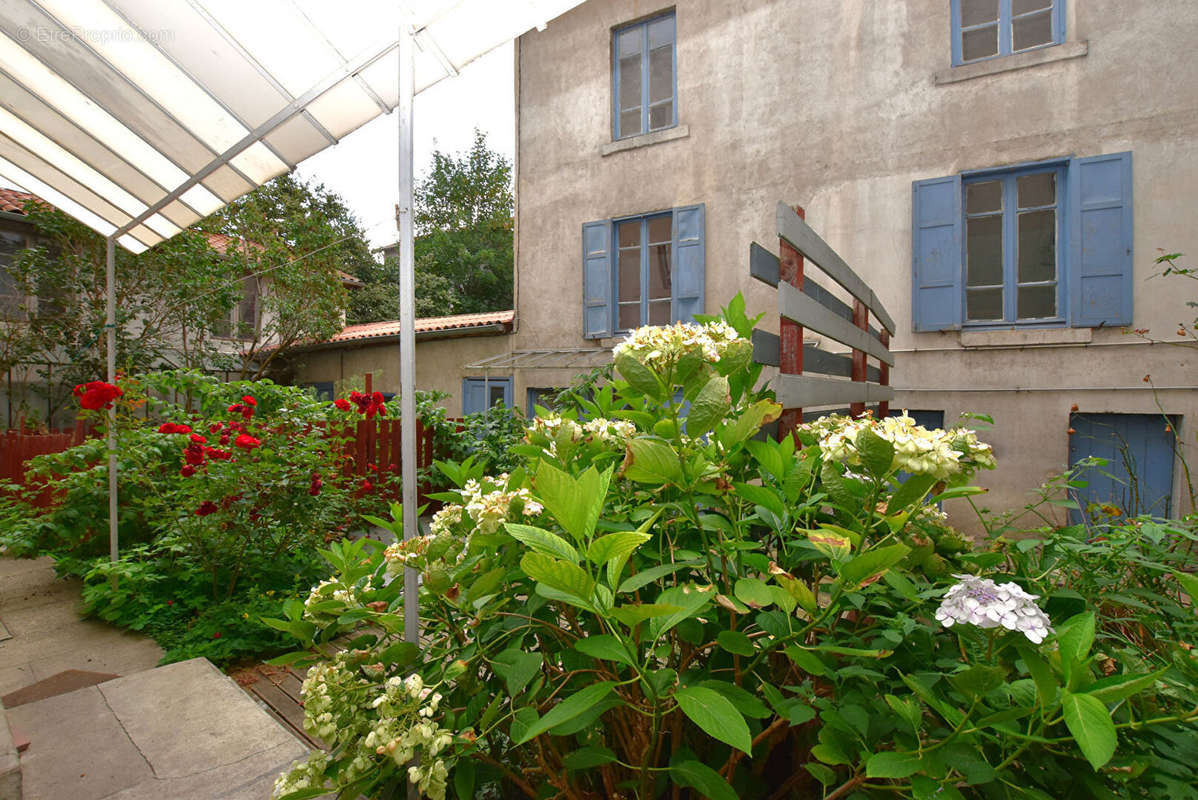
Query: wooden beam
810,313
796,391
763,265
800,236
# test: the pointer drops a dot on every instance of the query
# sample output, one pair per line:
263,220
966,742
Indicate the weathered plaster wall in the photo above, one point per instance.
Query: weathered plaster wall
835,106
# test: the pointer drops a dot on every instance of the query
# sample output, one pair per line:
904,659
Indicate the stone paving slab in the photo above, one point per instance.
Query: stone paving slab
179,731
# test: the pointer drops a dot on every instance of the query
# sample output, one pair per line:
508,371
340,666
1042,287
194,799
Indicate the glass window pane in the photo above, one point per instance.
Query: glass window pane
660,230
630,123
983,247
976,12
661,32
630,83
659,271
1037,190
630,316
979,43
628,42
985,196
1025,6
1036,302
495,393
629,279
1037,246
1031,31
659,313
661,116
630,233
983,305
661,74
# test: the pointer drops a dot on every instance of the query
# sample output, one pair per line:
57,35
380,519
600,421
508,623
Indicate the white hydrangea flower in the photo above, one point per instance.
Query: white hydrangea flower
986,604
446,518
657,345
917,450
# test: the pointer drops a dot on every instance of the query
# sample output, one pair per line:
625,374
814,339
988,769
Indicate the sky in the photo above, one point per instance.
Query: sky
362,168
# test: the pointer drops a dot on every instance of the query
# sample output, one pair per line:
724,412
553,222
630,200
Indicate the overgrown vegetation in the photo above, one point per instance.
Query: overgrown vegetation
656,603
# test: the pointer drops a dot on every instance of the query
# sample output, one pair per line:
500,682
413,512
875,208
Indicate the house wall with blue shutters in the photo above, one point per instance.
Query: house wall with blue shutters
849,109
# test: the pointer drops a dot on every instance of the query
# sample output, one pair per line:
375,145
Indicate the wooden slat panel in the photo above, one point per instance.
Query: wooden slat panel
767,351
806,241
810,313
833,303
767,348
763,265
799,391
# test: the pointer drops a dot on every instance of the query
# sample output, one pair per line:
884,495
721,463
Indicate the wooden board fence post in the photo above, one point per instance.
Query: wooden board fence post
861,320
790,333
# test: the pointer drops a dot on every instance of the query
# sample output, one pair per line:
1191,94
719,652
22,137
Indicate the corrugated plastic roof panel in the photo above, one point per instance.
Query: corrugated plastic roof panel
138,117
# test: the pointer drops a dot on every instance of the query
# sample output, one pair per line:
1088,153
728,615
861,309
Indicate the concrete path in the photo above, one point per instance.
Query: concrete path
183,731
48,636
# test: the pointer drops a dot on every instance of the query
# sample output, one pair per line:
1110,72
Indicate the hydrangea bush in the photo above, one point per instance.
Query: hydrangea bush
657,601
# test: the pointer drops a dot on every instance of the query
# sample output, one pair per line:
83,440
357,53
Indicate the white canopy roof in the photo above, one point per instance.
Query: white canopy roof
139,117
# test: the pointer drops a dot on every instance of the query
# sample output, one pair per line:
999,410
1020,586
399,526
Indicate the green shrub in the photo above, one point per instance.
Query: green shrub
654,602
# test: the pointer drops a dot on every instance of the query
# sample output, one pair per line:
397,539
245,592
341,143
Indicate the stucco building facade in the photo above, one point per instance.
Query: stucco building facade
654,141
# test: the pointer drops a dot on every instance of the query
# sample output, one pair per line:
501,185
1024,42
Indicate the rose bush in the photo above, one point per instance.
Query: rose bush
657,602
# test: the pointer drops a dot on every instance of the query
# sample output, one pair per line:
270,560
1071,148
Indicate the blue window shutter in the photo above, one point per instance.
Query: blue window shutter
596,279
689,263
936,231
1100,246
474,396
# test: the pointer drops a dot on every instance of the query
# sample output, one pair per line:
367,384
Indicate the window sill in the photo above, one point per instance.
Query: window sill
1040,337
645,139
1032,58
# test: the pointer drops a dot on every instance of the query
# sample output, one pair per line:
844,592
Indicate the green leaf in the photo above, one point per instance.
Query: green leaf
806,660
978,680
568,709
564,498
1119,687
639,376
690,601
924,788
621,544
1075,636
604,646
703,779
830,543
587,757
647,576
767,455
1090,723
400,653
957,491
872,563
748,423
1189,584
1042,676
463,779
908,710
799,591
735,642
914,489
709,406
651,461
570,579
760,495
745,701
636,613
876,453
542,541
516,667
715,716
850,651
753,592
888,764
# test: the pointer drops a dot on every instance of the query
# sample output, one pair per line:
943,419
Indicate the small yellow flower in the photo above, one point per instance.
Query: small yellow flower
246,615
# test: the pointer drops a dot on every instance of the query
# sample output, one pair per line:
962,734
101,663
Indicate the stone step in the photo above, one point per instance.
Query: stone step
183,731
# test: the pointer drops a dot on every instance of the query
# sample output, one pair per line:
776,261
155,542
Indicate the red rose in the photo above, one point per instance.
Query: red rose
341,403
195,437
248,400
187,471
194,454
218,455
207,507
235,408
216,635
224,438
246,442
173,427
314,489
367,486
96,395
215,427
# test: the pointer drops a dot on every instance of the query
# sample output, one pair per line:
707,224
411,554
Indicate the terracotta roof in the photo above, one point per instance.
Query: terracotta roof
457,322
13,200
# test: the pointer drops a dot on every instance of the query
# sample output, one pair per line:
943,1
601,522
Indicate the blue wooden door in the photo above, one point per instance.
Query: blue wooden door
1138,476
479,394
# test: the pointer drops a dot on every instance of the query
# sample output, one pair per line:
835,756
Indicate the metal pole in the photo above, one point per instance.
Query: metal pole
110,319
407,324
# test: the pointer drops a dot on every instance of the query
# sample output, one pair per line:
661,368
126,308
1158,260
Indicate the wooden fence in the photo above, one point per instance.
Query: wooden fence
808,375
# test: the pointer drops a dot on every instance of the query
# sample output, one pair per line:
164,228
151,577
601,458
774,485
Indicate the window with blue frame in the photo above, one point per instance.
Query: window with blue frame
479,394
1138,475
985,29
644,77
643,270
540,396
1043,244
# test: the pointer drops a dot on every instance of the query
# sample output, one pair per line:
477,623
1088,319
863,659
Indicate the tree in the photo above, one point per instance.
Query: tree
307,237
464,245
